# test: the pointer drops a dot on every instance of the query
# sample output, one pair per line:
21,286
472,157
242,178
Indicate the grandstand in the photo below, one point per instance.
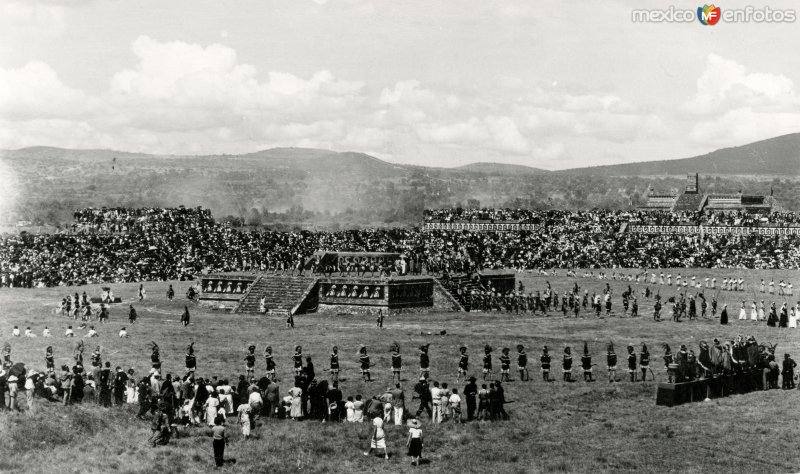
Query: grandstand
692,200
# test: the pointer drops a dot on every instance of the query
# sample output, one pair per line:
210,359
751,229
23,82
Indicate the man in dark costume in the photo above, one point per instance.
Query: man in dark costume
297,360
566,364
522,363
487,362
545,360
644,362
470,392
185,316
788,372
463,364
191,360
505,365
397,363
631,363
424,361
270,362
155,357
363,359
131,315
250,361
611,362
334,365
586,364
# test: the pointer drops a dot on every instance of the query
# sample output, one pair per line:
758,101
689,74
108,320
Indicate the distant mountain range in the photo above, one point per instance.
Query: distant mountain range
47,184
774,156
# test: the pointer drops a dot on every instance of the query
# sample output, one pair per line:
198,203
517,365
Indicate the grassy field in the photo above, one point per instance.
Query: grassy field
576,427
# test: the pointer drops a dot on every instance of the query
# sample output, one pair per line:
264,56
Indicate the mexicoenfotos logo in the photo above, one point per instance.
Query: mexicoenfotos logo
708,14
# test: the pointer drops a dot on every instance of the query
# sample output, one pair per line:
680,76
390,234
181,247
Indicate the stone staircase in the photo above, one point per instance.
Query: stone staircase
282,293
689,202
466,285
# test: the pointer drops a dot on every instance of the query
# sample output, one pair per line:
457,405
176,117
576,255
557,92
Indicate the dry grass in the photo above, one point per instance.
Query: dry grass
556,427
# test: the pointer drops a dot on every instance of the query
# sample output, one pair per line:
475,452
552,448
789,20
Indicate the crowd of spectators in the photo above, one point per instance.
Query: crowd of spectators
122,219
612,219
181,243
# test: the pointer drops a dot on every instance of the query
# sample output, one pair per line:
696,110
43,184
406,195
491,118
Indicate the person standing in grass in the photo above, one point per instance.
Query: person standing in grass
219,440
243,413
378,440
414,442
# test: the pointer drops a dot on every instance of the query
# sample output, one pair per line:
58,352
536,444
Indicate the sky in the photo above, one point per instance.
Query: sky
549,84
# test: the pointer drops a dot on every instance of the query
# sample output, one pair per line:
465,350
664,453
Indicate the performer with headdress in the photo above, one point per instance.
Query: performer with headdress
155,357
463,364
611,362
270,362
505,365
586,363
545,360
566,364
191,360
363,358
7,353
487,362
397,363
631,363
669,362
49,360
522,363
297,359
424,361
644,362
77,354
335,364
250,361
96,358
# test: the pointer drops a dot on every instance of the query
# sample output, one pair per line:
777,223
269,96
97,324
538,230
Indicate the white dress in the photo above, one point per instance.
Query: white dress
753,312
742,313
792,319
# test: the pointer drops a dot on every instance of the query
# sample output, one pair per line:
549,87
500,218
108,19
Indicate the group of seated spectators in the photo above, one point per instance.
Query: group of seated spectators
181,243
612,219
131,220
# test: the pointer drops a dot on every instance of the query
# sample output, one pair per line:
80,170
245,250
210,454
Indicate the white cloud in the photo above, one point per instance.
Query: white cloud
745,125
35,91
29,17
737,106
726,85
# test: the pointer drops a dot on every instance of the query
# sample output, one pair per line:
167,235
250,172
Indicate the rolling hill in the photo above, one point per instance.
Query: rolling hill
500,169
778,156
311,185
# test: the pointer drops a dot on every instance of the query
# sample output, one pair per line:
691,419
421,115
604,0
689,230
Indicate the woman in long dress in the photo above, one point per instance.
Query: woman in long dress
742,312
212,404
761,315
296,393
792,318
753,312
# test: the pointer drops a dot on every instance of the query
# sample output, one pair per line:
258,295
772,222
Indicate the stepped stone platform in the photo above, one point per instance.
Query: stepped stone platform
288,294
461,286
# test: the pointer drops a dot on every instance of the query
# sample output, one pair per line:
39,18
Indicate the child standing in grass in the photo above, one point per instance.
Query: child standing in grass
219,439
414,442
358,409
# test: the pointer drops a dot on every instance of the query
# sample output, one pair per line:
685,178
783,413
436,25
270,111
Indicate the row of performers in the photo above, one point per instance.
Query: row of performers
681,366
